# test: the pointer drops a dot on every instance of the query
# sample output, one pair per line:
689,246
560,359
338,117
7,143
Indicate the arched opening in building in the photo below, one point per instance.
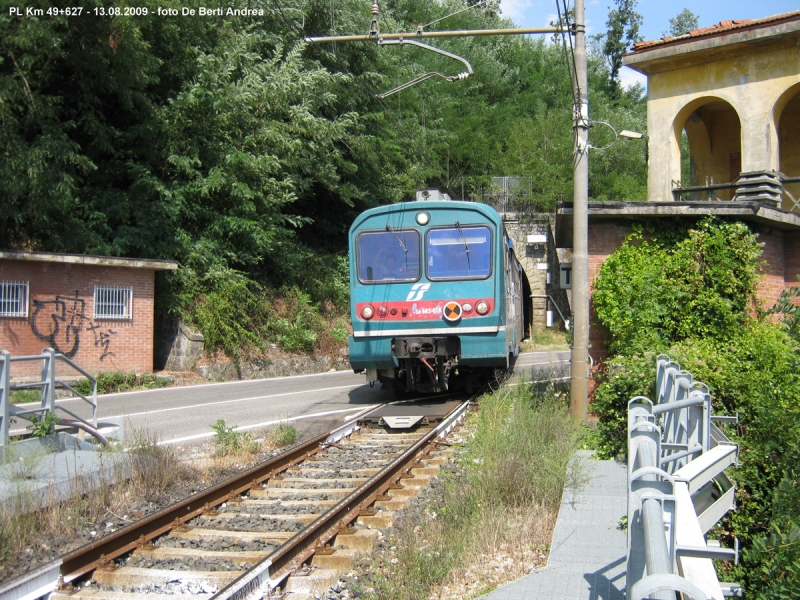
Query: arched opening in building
710,132
787,118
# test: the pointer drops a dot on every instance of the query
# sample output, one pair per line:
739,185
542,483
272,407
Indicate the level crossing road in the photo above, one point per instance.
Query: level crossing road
313,403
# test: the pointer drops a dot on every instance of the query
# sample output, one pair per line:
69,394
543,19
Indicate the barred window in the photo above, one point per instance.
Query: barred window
113,302
14,298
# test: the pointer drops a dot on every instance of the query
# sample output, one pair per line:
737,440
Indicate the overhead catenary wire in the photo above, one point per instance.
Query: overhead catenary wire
458,12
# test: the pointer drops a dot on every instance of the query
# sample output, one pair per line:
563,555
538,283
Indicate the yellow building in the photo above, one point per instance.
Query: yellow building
732,92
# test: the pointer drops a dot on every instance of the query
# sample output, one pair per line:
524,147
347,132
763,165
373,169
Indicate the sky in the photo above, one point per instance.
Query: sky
656,15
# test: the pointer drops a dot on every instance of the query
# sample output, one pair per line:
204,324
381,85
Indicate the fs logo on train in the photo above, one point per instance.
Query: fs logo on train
417,291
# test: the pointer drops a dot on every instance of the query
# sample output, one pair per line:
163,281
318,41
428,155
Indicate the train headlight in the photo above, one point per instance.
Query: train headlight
382,311
482,307
423,218
367,312
467,307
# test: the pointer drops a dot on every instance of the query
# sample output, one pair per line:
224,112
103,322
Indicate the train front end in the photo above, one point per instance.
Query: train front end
428,295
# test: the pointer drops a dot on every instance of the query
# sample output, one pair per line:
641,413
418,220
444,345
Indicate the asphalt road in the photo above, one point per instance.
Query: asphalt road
312,403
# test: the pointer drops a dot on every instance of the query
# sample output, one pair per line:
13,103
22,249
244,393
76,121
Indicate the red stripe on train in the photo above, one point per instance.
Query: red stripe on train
421,310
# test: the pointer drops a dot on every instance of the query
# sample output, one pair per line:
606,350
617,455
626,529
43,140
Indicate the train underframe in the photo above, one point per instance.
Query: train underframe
429,364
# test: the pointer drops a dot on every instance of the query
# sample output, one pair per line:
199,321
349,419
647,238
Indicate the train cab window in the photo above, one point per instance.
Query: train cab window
460,252
388,256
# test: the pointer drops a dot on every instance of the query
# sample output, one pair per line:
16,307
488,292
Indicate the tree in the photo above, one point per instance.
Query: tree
682,24
623,31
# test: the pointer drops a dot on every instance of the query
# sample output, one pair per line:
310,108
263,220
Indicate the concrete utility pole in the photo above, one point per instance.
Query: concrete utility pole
579,360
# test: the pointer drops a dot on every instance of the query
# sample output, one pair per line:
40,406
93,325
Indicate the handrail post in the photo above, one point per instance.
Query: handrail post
5,398
49,380
94,401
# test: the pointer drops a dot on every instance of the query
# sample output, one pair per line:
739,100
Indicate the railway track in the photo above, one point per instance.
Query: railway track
288,527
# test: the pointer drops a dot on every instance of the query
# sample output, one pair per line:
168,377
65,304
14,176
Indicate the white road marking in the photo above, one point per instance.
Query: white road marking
203,385
192,406
265,424
152,412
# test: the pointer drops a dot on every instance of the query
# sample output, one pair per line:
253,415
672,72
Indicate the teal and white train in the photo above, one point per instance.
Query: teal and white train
436,295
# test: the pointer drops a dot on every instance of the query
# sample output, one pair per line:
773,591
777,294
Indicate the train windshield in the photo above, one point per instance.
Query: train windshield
386,256
460,252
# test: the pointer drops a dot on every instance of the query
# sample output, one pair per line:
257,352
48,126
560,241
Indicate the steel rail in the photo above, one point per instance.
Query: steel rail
87,558
279,565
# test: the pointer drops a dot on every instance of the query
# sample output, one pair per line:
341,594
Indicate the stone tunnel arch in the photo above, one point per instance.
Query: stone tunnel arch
534,247
786,120
714,133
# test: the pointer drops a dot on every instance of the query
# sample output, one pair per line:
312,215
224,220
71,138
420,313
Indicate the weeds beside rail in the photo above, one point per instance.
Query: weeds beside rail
497,506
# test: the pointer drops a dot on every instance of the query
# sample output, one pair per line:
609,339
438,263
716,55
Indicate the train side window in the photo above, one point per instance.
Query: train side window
461,252
388,256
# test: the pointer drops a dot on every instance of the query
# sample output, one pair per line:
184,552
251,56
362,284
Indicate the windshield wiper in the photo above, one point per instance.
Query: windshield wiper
399,241
463,239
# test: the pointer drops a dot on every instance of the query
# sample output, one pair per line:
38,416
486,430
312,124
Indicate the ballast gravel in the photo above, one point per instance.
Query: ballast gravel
216,545
247,523
190,563
275,508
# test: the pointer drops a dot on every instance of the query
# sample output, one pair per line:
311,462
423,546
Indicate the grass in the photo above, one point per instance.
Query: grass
117,381
283,434
546,339
494,517
229,442
26,396
144,473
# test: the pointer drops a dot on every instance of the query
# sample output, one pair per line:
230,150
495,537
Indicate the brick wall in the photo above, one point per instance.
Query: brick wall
791,249
61,315
773,274
604,238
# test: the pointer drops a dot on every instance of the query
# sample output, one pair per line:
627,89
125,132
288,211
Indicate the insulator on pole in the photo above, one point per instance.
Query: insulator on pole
374,28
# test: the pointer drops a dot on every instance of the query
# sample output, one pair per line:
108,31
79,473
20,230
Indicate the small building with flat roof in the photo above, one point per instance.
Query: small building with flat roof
96,310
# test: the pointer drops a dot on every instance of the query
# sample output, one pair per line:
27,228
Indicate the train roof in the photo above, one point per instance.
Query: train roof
416,206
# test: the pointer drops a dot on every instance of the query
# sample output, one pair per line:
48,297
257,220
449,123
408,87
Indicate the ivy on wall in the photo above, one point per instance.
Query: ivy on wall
691,292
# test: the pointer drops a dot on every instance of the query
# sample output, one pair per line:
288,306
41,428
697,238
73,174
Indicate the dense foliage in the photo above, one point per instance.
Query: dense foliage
693,298
231,145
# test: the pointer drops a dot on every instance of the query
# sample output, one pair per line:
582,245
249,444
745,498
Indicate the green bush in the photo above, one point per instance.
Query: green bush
773,561
44,425
294,322
625,378
652,293
232,316
788,307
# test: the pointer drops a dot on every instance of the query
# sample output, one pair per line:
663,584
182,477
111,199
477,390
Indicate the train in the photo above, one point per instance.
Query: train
436,295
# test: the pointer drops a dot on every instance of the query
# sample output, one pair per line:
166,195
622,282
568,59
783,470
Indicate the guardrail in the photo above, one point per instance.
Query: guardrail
772,185
677,490
47,385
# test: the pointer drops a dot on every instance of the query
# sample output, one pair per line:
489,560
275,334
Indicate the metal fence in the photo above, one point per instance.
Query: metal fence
47,386
677,490
771,186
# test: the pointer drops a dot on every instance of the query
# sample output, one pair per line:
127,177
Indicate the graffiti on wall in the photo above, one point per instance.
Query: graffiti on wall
102,339
60,321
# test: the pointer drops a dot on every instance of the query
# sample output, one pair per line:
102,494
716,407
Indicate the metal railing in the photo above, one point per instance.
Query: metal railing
47,385
772,185
677,490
